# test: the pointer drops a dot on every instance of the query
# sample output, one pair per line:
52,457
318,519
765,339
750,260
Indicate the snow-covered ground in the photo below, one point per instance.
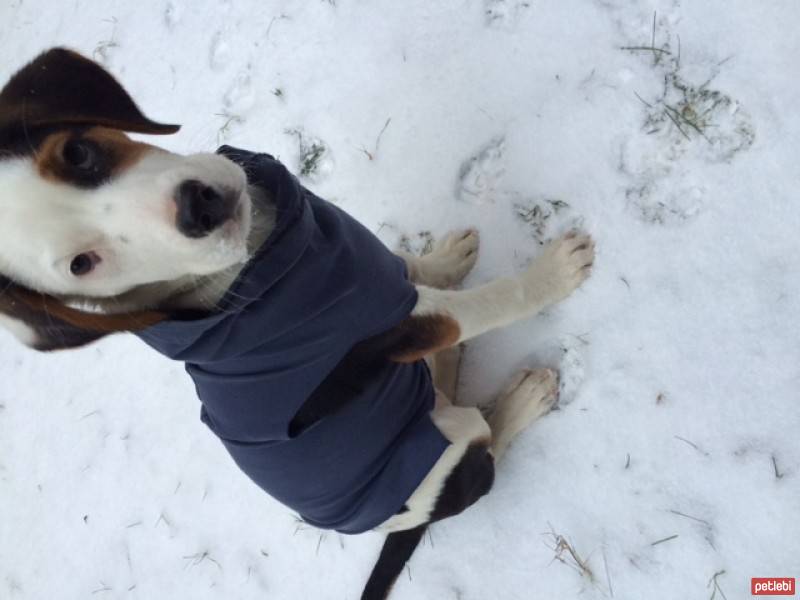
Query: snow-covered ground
673,465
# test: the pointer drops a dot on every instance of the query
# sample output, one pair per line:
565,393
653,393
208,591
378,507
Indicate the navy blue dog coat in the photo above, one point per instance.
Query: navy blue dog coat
319,284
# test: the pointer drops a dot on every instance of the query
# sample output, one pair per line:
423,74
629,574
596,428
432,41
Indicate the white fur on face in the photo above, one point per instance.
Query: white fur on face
128,222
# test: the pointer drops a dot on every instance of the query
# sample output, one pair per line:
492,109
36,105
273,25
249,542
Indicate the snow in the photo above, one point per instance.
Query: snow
679,355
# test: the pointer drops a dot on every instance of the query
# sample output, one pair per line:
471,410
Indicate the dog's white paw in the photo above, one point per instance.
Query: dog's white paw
564,265
451,259
531,395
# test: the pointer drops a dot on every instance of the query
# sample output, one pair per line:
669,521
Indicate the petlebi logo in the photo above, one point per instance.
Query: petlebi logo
772,586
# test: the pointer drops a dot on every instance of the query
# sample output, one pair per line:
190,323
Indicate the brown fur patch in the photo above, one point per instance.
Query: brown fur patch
127,151
57,326
63,88
89,321
419,336
115,153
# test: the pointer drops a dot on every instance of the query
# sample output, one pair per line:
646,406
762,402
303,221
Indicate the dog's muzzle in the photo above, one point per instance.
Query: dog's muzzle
203,208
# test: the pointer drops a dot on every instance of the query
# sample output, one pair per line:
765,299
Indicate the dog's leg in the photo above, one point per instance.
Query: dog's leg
563,266
465,471
445,266
470,437
448,263
530,395
444,318
445,366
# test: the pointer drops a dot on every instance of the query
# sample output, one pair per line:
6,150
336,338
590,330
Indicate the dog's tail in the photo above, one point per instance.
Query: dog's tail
396,551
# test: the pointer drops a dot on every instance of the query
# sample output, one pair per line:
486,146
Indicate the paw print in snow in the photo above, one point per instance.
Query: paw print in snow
172,15
544,216
686,123
220,52
240,96
315,161
698,119
659,204
480,174
571,368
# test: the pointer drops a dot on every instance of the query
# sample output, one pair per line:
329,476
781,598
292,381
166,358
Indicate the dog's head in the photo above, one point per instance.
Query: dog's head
89,214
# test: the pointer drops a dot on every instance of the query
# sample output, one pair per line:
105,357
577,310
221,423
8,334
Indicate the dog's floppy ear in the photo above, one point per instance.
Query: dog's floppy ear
44,323
62,87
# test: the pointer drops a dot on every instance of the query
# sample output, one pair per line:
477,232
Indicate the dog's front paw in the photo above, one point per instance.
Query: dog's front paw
565,264
451,259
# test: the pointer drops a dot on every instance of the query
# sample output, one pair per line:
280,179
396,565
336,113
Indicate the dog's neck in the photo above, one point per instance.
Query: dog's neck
196,293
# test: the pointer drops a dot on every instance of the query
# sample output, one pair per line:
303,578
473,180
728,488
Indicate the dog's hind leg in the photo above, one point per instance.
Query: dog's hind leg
448,263
470,437
530,395
463,474
445,366
465,471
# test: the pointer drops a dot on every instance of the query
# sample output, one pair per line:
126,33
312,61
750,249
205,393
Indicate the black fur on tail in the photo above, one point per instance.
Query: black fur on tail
396,551
471,479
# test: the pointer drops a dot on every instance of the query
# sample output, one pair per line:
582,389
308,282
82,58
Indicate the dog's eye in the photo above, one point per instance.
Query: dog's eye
79,154
83,263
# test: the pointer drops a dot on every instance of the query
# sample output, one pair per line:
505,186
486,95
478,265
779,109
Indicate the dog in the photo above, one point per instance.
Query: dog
326,364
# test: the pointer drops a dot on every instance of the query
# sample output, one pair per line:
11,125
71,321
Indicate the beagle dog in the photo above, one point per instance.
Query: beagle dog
326,364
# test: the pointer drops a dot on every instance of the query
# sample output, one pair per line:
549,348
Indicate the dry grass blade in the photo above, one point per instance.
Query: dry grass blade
608,575
666,539
713,582
778,474
103,588
372,155
566,554
692,444
647,48
680,115
678,125
684,515
196,559
645,102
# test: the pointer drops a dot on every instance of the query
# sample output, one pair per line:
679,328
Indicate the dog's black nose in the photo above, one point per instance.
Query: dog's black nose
202,208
